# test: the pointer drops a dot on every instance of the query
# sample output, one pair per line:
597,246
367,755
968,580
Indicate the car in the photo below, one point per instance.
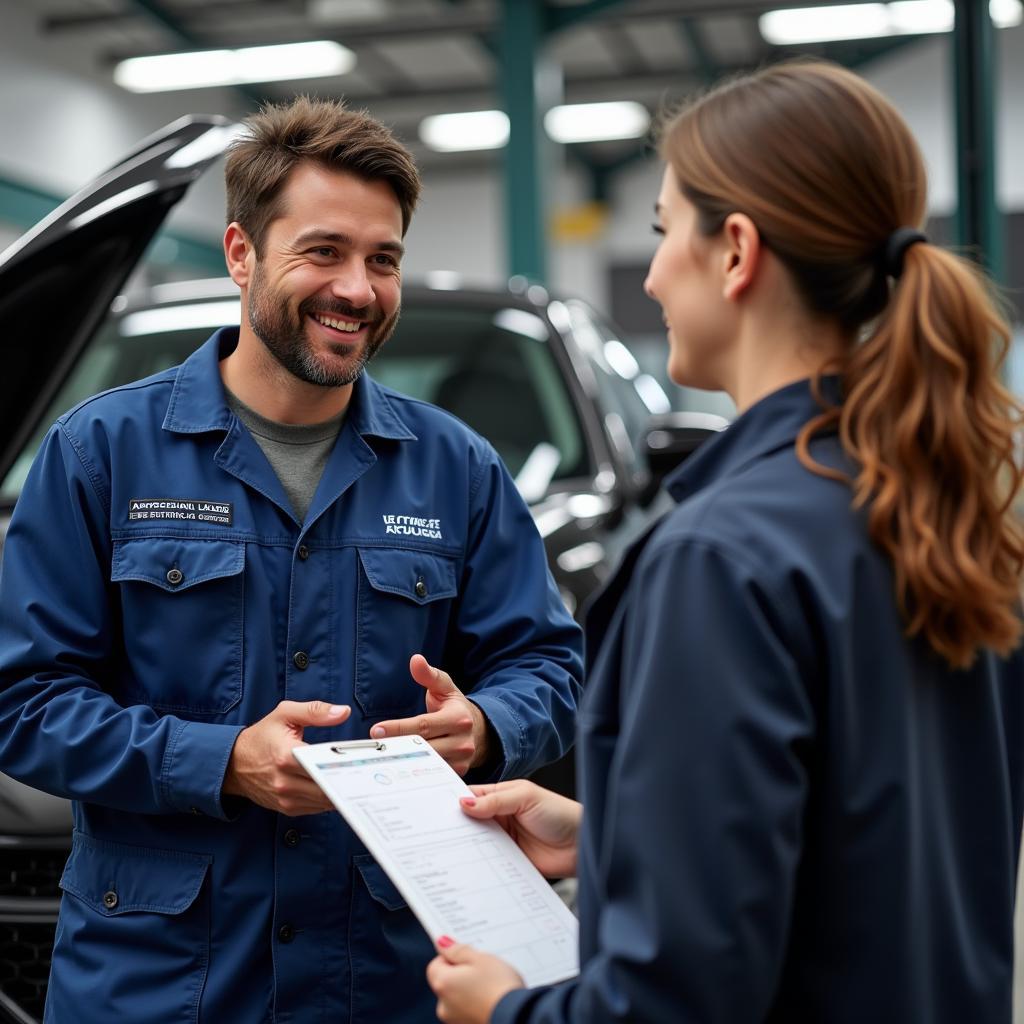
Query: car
586,435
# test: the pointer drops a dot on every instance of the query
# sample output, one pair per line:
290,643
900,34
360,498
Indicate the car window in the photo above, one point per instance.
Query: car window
490,366
629,396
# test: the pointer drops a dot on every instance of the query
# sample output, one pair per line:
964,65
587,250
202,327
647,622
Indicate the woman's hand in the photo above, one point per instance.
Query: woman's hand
468,984
544,825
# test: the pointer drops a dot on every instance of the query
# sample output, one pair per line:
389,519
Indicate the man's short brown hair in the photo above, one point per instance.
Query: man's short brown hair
281,136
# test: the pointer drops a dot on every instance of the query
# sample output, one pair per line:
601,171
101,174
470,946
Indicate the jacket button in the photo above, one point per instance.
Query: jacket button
303,552
110,899
291,837
421,588
301,660
286,933
174,576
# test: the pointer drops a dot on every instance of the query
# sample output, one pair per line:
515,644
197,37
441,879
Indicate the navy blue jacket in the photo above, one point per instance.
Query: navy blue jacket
158,596
792,812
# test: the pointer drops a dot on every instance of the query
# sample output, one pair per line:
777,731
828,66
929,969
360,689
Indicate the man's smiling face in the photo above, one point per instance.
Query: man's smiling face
326,293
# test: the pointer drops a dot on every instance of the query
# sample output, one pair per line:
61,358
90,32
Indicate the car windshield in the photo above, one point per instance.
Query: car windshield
490,366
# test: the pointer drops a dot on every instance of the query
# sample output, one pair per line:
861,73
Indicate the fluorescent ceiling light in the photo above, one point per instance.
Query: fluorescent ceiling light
1006,13
477,129
337,11
578,122
794,26
597,122
205,68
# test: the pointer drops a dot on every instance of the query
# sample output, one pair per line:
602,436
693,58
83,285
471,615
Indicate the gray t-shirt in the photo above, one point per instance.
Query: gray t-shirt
297,453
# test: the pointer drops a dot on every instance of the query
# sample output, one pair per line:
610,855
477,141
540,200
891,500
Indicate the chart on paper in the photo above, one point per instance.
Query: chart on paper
461,877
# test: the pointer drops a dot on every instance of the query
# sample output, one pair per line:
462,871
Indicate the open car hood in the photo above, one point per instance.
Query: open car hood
58,280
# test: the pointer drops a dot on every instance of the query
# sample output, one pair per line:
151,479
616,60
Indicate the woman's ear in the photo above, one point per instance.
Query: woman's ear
237,252
742,255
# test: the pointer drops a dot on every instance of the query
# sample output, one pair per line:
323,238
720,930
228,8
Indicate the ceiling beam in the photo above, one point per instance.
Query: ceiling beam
445,22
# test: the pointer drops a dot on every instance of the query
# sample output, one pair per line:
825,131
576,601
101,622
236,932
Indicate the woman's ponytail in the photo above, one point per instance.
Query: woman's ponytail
932,431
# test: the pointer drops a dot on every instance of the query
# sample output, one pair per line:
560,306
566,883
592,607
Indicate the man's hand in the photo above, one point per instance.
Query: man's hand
262,767
453,725
468,984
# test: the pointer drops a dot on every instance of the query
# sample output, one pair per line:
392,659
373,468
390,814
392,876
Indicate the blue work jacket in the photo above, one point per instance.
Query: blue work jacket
158,595
792,813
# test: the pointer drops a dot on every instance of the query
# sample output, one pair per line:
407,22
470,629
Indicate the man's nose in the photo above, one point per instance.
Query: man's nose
352,284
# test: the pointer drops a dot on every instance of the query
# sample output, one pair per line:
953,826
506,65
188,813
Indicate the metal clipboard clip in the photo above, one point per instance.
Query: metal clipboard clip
345,745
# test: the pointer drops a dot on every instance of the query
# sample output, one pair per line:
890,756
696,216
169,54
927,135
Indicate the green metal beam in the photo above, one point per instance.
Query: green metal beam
710,70
979,226
558,18
601,173
522,39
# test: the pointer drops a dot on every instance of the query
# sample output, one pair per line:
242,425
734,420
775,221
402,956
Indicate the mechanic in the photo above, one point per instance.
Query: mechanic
258,548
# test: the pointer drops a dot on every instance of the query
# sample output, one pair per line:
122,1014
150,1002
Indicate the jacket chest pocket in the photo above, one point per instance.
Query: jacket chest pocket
403,605
183,610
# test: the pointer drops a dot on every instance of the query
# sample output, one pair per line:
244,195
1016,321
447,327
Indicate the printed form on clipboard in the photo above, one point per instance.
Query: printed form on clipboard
461,877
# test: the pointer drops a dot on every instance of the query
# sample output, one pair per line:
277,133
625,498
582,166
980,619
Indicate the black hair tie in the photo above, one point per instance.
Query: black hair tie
896,248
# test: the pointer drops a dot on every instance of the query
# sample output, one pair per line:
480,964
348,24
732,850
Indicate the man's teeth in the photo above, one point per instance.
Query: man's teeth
339,325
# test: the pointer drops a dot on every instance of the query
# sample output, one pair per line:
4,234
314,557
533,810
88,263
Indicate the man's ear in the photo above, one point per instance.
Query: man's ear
742,256
239,253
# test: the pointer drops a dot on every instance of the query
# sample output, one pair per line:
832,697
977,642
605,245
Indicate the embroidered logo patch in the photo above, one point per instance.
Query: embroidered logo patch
413,526
193,509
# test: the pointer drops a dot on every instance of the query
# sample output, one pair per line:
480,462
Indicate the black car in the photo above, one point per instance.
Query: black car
586,435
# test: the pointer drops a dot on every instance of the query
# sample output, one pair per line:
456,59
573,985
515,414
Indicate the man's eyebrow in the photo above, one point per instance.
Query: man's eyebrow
339,238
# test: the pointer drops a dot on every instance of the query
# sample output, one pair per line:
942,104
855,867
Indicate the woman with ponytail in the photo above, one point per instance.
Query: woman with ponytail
801,746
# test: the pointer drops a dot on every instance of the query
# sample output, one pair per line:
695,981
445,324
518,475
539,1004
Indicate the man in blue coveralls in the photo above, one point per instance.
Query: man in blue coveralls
258,548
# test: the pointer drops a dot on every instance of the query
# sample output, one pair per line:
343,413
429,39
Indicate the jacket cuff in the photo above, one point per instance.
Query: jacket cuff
194,766
511,1005
507,732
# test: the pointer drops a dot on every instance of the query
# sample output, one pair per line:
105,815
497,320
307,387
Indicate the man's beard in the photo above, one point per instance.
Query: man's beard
287,341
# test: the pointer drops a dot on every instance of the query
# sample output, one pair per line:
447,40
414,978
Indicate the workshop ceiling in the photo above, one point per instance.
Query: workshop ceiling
421,57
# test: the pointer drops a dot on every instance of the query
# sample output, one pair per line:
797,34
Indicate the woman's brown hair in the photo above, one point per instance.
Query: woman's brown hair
280,136
827,169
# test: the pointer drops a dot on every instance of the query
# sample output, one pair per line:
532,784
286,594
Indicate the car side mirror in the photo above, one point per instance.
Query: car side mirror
673,437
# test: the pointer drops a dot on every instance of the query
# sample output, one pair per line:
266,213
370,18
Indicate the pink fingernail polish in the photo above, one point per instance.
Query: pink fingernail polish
468,801
445,941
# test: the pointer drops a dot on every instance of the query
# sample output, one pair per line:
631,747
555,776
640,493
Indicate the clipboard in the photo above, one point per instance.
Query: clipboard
461,877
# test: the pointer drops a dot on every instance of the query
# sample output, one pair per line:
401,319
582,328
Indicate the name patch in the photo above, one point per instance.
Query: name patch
188,509
413,526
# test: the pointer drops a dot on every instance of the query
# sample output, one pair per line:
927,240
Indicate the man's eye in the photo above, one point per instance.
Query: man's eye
324,250
657,229
385,260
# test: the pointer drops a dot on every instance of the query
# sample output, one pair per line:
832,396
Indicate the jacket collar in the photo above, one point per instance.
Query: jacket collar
770,424
198,404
